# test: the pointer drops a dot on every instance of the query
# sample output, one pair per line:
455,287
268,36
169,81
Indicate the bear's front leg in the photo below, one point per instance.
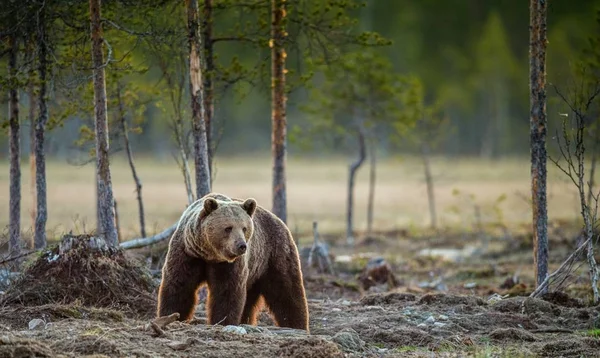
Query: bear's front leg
182,275
226,293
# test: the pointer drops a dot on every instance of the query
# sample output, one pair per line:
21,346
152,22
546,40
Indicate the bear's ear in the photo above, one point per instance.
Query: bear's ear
249,206
210,205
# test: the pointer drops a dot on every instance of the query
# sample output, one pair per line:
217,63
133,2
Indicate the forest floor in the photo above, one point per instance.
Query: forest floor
456,295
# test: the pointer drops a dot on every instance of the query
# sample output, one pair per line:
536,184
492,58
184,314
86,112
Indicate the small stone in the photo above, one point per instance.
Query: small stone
346,303
36,323
349,340
443,317
422,325
439,324
430,320
335,309
235,329
470,285
181,346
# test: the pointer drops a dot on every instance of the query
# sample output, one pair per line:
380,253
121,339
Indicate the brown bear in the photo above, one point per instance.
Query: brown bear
244,253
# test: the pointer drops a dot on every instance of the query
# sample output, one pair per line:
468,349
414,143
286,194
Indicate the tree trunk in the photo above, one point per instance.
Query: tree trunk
209,71
372,178
196,86
351,178
278,108
14,243
136,179
32,105
40,129
538,122
429,183
106,214
593,161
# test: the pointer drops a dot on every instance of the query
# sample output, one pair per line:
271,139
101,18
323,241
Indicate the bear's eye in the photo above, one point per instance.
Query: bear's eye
228,229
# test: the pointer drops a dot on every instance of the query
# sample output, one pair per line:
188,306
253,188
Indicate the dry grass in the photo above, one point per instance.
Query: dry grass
316,190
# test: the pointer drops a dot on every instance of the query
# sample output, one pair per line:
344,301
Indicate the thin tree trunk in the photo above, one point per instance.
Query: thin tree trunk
538,122
136,179
40,129
106,214
351,178
429,183
14,243
31,115
209,70
198,112
278,108
594,160
372,178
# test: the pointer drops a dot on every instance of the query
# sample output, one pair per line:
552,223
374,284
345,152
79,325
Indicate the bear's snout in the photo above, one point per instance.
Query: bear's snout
241,248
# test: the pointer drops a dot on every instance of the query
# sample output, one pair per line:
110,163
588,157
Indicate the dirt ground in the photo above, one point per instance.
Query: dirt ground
450,301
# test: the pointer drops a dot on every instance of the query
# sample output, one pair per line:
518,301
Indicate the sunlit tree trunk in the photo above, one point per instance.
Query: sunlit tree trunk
351,180
196,84
106,213
538,122
209,70
278,107
40,129
14,242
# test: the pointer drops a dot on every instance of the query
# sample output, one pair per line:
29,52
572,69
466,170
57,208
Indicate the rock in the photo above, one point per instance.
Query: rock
439,324
470,285
235,329
255,329
346,303
421,325
335,309
37,323
349,340
181,346
430,320
443,317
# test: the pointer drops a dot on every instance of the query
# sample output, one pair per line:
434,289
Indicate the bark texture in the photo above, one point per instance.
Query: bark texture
39,240
106,215
429,183
278,108
196,90
14,243
538,123
362,154
32,119
209,71
136,178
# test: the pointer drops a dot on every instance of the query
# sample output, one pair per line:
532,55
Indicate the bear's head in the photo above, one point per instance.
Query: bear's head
222,230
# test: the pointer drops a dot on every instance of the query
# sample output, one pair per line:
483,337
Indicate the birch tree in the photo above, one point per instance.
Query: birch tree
106,214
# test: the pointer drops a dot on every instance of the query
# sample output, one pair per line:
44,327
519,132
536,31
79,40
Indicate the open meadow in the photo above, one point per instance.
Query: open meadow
317,190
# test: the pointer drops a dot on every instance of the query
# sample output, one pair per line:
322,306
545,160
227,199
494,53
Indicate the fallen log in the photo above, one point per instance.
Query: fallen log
147,241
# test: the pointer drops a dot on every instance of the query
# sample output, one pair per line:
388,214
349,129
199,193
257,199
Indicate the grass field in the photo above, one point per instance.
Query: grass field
316,191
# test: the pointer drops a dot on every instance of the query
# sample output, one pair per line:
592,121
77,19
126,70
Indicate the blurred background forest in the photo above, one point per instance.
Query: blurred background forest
471,57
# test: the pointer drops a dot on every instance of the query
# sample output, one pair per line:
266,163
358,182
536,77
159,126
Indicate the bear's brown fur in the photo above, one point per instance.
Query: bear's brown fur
244,254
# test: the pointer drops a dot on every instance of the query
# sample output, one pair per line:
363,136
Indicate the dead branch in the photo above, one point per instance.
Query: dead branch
147,241
564,267
13,258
